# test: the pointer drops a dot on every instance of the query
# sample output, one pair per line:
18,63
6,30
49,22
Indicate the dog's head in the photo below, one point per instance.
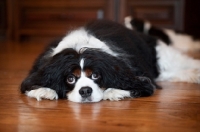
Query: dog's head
83,77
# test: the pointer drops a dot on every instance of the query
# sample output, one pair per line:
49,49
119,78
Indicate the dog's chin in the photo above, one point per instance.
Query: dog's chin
85,100
89,100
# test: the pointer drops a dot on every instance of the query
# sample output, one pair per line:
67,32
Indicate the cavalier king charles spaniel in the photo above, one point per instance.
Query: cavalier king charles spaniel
105,60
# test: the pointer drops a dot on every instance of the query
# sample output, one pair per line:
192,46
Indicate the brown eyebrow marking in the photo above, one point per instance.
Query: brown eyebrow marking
88,72
77,73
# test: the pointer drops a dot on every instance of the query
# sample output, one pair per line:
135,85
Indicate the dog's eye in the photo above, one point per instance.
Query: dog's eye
95,76
71,79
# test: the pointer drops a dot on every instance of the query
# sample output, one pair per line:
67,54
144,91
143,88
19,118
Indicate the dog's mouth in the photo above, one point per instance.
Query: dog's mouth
86,99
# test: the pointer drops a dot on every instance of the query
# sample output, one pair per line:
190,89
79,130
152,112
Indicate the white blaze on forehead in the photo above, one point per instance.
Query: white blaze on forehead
82,63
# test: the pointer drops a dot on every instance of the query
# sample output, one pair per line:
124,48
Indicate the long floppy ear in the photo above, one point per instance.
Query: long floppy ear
117,73
30,82
139,86
53,73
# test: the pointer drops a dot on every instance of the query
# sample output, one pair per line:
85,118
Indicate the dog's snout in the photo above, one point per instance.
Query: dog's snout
85,92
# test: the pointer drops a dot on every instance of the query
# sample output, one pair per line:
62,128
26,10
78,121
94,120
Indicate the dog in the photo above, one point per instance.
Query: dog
104,60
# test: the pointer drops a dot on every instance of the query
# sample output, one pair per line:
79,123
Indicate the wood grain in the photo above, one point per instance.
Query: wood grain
174,108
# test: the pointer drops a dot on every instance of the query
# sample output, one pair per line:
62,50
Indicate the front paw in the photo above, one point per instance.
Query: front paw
42,93
115,94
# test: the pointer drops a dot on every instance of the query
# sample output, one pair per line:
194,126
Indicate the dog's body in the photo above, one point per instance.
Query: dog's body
105,60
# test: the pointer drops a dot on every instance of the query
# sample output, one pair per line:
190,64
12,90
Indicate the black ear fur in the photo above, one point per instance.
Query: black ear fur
138,86
30,82
116,73
126,80
52,73
143,86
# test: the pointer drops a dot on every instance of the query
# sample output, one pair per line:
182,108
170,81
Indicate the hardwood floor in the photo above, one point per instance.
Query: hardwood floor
175,108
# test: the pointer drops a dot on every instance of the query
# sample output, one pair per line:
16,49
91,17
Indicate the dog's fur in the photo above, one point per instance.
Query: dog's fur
105,60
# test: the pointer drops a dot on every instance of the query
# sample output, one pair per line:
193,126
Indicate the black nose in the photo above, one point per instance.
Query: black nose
85,92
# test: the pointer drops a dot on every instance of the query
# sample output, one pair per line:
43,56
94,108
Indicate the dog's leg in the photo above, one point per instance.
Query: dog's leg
115,94
42,93
176,66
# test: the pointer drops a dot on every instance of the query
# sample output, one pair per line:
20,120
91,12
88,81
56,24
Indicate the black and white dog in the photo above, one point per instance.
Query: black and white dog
105,60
